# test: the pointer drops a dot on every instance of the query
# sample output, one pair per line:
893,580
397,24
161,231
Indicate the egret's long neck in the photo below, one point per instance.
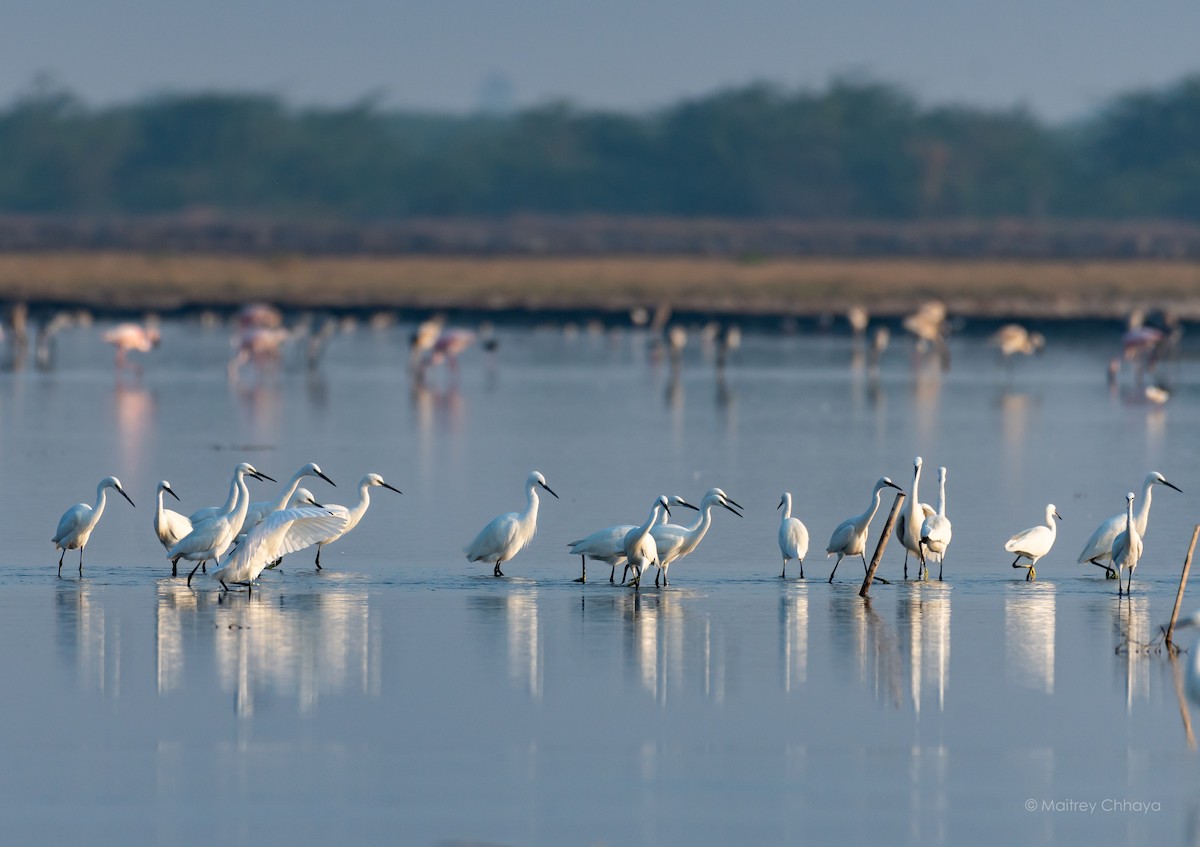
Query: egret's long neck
787,509
1143,515
231,500
243,501
360,508
1129,524
873,506
1050,521
98,509
916,498
942,497
697,530
531,507
644,529
282,500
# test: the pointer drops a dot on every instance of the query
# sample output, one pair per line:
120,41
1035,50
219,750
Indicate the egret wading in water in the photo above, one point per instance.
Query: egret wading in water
1034,543
169,526
76,525
355,513
209,539
279,533
640,547
1098,550
674,541
936,531
1127,547
793,535
910,521
506,535
608,545
850,537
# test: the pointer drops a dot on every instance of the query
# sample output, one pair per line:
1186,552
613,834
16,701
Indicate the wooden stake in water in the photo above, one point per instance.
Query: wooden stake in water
882,545
1183,578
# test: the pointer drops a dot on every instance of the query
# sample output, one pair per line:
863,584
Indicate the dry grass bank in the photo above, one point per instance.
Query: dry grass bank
786,286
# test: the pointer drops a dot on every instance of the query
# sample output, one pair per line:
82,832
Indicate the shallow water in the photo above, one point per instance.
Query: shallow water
405,695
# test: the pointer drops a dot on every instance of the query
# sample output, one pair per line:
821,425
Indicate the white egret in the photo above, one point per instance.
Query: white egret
793,534
909,521
674,541
608,545
169,526
850,537
210,539
1099,547
936,530
279,533
260,509
640,548
76,524
1034,543
506,535
1127,547
355,513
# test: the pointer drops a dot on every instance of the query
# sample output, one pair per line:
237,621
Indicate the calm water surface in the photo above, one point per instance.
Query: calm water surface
403,695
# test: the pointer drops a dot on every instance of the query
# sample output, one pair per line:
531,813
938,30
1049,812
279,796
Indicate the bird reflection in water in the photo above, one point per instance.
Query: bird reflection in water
286,646
1131,620
1029,626
88,638
926,614
662,643
793,636
517,611
136,409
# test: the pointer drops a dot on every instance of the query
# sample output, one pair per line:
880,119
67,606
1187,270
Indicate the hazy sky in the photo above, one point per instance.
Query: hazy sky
1059,57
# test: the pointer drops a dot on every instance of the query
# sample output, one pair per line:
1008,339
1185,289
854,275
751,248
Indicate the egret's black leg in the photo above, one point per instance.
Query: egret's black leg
81,561
583,566
60,560
193,573
319,546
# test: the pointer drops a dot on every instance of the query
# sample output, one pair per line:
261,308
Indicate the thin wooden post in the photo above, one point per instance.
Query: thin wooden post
1183,578
882,545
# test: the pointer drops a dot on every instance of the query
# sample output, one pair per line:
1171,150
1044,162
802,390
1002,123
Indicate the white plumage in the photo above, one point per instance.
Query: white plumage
279,533
355,513
675,542
209,539
608,545
1127,547
260,509
640,548
76,524
1034,543
1098,549
506,535
850,536
936,530
169,526
910,520
793,536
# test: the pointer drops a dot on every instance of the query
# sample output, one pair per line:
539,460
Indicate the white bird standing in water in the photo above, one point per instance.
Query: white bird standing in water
936,531
169,526
506,535
675,542
793,535
76,524
909,521
279,533
1127,547
355,513
210,539
640,547
608,545
850,537
1034,543
1098,549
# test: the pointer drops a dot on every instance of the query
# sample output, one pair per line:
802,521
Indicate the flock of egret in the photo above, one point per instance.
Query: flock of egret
243,538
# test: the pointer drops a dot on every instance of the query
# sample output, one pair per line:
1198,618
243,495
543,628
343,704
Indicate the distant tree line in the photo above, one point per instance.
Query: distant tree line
856,150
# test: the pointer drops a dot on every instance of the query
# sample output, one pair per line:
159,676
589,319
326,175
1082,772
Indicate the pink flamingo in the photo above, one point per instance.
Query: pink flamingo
131,336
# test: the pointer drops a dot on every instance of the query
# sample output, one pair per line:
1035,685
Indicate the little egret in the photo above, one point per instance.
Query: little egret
608,545
355,513
640,547
1099,546
1127,547
169,526
793,535
279,533
909,521
260,509
674,541
76,525
850,537
1034,543
936,531
210,539
506,535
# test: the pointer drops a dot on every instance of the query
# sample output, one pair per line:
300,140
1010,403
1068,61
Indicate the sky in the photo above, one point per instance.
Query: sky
1059,58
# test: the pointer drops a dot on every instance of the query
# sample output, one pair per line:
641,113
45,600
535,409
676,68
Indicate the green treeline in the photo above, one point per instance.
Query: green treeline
855,150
